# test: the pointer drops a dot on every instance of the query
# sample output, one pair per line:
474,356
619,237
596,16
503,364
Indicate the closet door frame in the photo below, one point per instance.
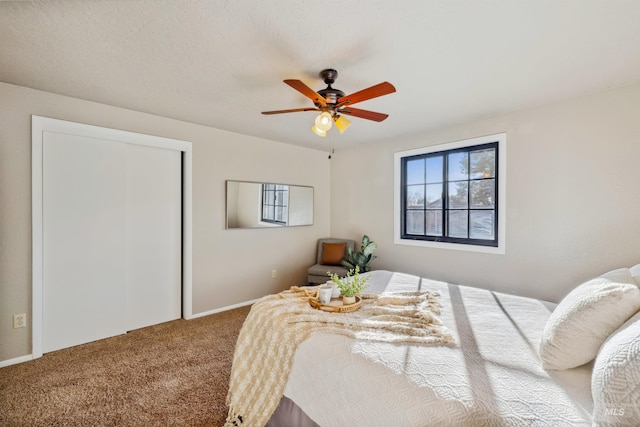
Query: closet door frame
41,124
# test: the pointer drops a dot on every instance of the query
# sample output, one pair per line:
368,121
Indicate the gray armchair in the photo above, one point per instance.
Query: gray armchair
328,259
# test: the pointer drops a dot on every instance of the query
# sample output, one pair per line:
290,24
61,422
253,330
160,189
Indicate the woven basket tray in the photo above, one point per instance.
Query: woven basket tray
336,305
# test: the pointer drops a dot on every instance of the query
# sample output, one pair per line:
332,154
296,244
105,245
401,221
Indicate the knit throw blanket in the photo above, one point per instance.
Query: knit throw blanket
277,324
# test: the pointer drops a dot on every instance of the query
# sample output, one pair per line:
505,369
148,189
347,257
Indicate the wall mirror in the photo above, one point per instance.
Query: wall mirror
262,205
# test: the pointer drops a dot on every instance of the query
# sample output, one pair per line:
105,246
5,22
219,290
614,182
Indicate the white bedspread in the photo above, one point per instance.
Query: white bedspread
491,377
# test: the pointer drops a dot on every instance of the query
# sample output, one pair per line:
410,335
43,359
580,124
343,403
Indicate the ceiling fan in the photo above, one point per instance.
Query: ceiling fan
333,103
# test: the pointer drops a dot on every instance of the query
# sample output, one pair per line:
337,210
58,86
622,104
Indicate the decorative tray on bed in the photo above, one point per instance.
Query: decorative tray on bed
336,305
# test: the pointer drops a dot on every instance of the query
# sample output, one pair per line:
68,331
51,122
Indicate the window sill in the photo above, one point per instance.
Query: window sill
452,246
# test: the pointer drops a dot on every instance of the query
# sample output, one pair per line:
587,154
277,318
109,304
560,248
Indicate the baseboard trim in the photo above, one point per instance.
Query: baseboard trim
16,360
221,309
29,357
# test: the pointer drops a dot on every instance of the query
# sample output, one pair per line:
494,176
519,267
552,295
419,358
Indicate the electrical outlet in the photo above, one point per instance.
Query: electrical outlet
19,320
274,274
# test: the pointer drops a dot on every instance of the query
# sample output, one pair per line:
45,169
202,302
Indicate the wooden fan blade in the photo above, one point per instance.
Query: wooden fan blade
380,89
294,110
307,91
364,114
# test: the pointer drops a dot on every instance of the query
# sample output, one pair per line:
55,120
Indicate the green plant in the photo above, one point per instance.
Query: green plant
352,284
360,259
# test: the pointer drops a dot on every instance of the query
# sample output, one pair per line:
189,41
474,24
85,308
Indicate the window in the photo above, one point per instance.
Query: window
275,202
452,195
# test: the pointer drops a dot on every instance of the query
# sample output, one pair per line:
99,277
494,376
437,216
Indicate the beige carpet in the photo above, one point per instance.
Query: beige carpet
175,373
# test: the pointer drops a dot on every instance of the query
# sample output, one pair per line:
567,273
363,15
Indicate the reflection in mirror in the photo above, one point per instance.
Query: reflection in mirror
259,205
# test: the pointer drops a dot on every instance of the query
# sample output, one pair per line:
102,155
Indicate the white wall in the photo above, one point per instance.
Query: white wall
229,266
572,201
573,204
249,208
300,206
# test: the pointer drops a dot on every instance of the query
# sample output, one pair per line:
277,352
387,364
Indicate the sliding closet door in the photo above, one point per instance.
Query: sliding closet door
154,235
112,238
84,270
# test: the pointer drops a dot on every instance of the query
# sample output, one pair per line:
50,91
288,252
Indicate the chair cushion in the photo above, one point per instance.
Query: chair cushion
321,270
332,253
586,317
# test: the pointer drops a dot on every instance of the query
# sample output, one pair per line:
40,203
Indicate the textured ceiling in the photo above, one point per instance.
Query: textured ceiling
220,63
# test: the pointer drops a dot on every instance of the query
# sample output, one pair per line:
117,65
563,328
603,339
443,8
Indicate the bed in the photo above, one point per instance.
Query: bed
490,374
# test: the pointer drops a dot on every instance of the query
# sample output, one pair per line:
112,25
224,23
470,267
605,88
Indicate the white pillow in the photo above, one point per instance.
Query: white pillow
586,317
615,383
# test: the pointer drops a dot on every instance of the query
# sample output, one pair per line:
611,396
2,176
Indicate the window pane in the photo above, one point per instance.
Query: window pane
415,196
482,193
458,166
483,163
458,195
269,197
457,224
482,224
275,198
415,171
434,223
434,196
415,222
434,169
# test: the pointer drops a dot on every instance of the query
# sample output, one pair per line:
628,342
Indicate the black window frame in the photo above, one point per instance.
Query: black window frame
444,209
271,200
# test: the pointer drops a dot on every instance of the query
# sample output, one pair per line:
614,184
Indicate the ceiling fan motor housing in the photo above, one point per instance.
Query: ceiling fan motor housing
332,95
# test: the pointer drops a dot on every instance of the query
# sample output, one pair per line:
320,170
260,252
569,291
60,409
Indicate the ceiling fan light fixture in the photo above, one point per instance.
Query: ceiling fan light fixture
318,132
332,103
323,121
342,123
